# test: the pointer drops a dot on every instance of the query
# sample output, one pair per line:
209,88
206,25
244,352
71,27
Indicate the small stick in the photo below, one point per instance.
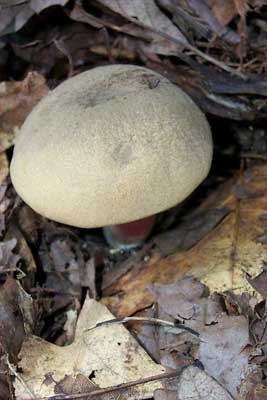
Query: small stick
144,319
254,156
14,372
111,389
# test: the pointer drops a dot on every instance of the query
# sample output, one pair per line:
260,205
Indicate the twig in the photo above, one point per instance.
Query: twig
3,270
185,44
144,319
236,229
63,49
254,156
111,389
188,46
14,372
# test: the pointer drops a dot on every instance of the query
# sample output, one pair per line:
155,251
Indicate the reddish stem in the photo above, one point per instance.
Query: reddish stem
131,234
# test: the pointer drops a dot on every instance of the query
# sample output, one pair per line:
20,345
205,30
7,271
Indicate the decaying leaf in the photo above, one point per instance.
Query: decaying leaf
224,352
22,248
224,347
75,385
6,140
4,167
223,10
4,202
259,283
12,329
108,352
15,13
150,16
198,385
8,260
16,101
221,260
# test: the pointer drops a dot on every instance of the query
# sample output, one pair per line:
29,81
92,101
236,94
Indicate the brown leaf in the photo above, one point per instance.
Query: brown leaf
6,140
75,384
224,346
220,260
204,12
259,283
8,260
53,48
22,249
179,299
18,98
4,204
4,168
107,352
242,7
11,320
161,394
190,231
224,11
65,261
224,351
249,387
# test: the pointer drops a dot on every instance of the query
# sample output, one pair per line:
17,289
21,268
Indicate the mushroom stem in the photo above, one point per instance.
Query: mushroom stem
129,235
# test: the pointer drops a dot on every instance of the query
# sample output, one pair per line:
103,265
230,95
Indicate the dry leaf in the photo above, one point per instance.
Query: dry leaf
108,351
224,347
11,319
224,352
221,260
8,260
6,140
15,13
4,167
149,15
22,248
17,100
196,384
259,283
224,11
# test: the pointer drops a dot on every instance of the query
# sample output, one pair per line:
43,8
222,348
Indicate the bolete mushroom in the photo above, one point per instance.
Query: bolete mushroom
111,146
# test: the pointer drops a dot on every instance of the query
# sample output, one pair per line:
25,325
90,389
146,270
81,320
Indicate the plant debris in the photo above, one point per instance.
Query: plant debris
108,353
195,294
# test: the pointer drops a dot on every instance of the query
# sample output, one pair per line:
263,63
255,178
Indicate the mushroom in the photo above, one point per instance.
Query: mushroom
111,147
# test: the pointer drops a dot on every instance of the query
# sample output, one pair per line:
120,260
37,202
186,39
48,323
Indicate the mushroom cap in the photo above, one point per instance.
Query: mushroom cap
111,145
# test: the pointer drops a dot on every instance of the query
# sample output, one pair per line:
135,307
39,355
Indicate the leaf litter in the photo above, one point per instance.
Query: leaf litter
110,353
203,269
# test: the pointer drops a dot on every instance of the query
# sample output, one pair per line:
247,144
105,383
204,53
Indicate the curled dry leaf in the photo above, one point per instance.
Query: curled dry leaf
108,352
17,100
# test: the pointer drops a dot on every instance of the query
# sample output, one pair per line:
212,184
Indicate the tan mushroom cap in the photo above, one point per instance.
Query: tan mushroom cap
111,145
